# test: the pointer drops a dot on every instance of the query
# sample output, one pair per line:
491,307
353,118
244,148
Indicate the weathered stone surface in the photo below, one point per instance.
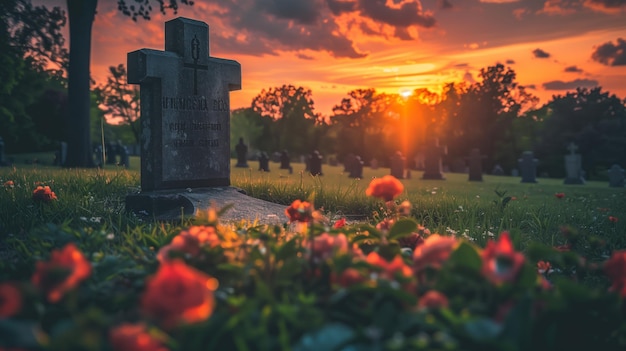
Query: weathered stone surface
185,109
166,205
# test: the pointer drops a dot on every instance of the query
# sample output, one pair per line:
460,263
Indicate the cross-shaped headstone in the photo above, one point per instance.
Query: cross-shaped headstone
185,109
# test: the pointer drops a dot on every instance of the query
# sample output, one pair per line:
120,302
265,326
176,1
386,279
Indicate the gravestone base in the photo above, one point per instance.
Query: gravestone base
574,181
437,176
174,204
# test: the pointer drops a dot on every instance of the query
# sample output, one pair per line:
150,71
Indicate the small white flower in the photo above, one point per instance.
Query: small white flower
110,236
84,219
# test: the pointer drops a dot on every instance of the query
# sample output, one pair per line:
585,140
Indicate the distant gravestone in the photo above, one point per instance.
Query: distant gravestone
497,170
347,162
432,160
528,167
315,164
356,170
185,128
111,153
397,165
124,156
284,160
264,162
3,161
616,176
573,166
476,165
99,156
418,161
374,163
242,154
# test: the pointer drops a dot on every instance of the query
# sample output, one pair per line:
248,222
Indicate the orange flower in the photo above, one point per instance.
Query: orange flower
433,299
178,293
300,211
44,194
326,245
63,272
559,195
615,269
10,300
340,223
433,252
390,269
190,241
501,263
134,337
613,219
9,184
386,188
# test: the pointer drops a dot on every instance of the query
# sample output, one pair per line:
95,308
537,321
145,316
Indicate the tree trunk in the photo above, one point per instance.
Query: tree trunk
81,16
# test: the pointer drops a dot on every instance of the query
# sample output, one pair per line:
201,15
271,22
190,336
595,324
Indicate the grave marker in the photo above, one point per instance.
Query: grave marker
616,176
185,109
397,165
573,166
528,167
432,160
476,165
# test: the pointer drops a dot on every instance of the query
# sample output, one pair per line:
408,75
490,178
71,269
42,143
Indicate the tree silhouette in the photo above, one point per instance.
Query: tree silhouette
120,100
81,17
593,119
291,111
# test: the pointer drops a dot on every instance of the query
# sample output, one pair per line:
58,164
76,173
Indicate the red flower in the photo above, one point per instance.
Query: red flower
63,272
340,223
44,194
9,184
615,269
190,241
559,195
134,337
433,299
326,245
544,267
178,293
433,252
501,263
386,188
349,277
10,300
389,268
613,219
300,211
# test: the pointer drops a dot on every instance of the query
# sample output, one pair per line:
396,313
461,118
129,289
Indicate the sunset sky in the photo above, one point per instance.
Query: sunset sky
335,46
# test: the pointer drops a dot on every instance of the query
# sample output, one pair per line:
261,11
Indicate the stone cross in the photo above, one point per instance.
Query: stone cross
185,109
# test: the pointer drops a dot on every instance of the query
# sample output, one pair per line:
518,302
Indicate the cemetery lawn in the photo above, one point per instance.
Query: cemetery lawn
518,266
475,210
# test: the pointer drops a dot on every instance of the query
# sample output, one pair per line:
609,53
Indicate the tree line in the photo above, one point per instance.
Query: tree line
495,114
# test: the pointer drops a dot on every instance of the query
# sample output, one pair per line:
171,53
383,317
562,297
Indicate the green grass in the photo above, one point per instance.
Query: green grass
477,210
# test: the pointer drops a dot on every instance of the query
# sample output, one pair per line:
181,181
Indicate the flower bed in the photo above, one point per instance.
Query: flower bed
315,284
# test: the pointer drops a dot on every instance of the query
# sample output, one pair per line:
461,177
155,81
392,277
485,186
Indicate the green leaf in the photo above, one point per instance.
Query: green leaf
402,228
466,256
287,250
